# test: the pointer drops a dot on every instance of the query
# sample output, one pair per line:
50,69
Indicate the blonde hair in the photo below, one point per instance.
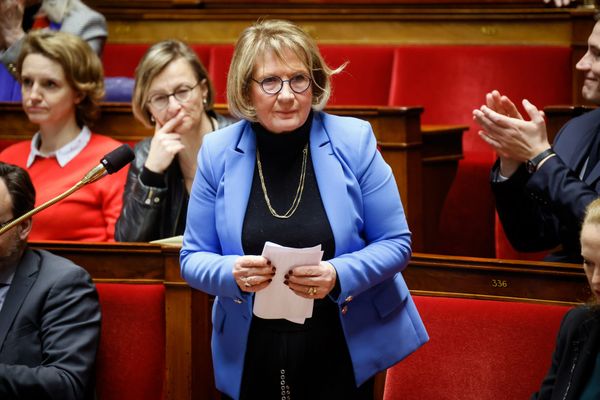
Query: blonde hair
81,65
156,59
592,213
276,36
592,217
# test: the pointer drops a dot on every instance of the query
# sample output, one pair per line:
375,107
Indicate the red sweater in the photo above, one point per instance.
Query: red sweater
90,213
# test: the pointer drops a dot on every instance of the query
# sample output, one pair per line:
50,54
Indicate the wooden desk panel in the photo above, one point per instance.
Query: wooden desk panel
493,278
188,311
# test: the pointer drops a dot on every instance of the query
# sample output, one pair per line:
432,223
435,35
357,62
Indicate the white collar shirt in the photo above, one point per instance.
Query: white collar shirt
63,155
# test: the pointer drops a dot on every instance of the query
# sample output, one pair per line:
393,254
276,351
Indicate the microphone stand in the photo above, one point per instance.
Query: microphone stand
98,172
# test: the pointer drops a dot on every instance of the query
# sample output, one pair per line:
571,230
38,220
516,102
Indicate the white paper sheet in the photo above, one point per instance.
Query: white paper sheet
277,301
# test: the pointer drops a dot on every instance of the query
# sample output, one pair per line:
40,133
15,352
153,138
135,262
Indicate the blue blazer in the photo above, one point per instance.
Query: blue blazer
372,244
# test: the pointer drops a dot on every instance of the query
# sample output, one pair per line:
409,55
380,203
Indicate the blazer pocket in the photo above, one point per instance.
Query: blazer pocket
391,296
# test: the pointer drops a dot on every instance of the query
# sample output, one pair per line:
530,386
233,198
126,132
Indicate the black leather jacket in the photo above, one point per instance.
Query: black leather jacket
151,213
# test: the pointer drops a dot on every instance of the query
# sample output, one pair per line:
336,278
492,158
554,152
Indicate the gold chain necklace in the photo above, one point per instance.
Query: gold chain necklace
299,191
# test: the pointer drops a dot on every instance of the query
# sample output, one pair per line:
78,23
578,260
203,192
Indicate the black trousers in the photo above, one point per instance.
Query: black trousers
288,361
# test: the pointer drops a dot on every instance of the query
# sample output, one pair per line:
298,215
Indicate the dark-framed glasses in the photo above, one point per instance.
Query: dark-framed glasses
182,94
273,84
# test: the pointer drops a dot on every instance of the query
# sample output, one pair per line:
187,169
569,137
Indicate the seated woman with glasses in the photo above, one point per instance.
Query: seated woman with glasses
173,93
294,175
62,83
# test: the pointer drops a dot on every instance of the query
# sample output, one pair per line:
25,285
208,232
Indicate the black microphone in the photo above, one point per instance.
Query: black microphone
118,158
109,164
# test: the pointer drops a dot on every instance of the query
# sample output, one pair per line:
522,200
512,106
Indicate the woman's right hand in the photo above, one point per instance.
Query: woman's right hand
165,145
253,273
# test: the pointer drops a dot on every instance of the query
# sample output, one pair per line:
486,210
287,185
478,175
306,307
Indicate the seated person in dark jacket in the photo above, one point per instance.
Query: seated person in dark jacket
174,94
575,370
541,191
49,311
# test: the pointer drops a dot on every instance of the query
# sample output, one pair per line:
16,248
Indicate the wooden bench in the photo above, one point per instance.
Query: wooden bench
141,274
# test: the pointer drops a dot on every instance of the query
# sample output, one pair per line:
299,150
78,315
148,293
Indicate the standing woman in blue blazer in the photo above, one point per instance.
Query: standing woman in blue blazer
292,174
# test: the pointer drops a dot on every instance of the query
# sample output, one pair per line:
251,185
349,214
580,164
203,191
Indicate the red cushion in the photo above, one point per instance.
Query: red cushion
365,80
131,358
220,57
450,81
505,250
121,59
478,350
367,77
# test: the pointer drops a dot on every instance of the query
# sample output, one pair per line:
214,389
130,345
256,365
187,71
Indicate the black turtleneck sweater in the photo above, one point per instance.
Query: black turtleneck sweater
299,360
281,158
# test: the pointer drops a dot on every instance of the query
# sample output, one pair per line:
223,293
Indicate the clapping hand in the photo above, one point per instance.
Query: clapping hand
512,137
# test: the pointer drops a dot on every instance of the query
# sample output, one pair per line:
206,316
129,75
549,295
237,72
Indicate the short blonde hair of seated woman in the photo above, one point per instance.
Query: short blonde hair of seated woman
276,36
81,65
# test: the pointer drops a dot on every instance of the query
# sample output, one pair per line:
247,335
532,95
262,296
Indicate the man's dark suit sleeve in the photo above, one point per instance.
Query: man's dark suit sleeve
69,336
542,210
534,209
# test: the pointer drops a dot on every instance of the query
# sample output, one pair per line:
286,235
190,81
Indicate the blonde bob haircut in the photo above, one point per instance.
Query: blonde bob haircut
156,59
592,217
592,213
81,65
277,36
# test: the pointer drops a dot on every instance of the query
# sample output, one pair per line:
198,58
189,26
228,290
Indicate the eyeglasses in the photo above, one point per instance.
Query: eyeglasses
182,94
273,84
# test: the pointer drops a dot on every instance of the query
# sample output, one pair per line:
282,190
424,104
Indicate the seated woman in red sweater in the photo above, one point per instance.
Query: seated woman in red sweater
62,84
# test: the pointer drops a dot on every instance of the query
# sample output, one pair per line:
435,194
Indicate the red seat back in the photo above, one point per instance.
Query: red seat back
131,357
367,77
478,350
452,80
121,59
220,57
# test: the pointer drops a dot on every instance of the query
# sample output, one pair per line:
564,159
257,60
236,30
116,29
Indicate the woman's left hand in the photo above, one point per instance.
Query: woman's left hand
312,281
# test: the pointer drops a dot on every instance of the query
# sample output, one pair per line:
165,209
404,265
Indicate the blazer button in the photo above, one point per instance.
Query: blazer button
349,299
344,310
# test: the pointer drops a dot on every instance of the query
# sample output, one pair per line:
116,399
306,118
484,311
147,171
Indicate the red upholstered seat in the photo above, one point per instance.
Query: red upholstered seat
220,58
450,81
478,350
365,80
131,357
367,77
121,59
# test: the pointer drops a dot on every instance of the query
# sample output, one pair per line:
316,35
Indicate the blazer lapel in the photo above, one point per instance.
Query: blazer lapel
25,276
332,186
239,172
